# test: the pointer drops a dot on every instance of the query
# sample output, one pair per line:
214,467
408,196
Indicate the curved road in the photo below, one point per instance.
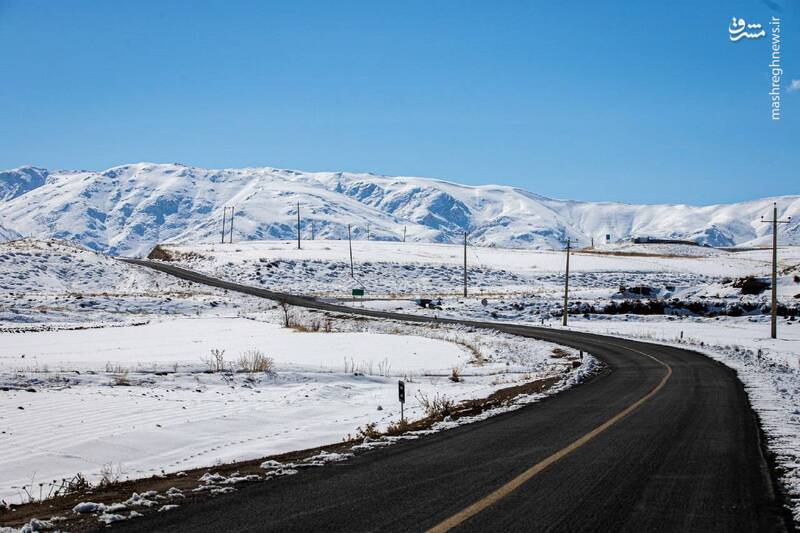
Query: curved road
663,439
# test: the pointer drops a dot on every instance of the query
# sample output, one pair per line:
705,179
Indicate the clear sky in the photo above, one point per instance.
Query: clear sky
634,101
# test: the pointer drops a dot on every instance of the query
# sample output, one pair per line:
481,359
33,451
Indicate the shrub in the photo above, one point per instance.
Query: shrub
216,361
254,360
559,352
751,285
121,380
368,431
110,475
455,374
437,406
398,428
284,305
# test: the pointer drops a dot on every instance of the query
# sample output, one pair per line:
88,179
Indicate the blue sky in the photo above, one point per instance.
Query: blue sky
630,101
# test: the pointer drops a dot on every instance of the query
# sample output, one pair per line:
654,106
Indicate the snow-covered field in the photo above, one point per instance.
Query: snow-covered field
525,286
139,396
141,399
391,269
80,396
56,285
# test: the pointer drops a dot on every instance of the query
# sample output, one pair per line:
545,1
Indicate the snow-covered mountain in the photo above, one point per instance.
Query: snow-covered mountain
127,209
7,234
17,182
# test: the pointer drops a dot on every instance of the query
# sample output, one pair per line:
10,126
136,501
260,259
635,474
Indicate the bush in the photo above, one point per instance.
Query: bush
216,361
437,406
368,431
121,380
455,374
110,475
398,428
287,320
751,285
254,360
559,353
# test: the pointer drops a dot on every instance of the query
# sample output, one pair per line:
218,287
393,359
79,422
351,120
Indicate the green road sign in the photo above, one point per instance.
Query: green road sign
358,292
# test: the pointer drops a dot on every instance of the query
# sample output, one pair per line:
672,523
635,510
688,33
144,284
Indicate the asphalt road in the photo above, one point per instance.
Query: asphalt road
662,440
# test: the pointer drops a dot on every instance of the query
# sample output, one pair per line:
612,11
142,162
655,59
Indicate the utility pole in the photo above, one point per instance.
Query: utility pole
566,284
350,242
404,234
298,225
774,306
224,216
231,239
465,264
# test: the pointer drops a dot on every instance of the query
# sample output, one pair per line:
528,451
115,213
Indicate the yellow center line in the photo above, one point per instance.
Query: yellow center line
515,483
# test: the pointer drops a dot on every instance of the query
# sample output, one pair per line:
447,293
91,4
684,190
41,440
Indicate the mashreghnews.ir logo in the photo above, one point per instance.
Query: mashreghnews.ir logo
739,30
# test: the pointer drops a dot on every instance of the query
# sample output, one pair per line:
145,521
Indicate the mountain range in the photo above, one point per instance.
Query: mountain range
127,209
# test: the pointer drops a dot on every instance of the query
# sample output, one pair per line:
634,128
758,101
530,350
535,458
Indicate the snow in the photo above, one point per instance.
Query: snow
166,342
18,181
8,234
56,285
391,269
139,399
128,209
88,507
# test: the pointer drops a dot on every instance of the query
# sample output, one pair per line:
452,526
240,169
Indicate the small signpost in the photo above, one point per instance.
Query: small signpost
401,392
360,294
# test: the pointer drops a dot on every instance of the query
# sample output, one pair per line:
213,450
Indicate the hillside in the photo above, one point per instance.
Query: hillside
8,234
125,210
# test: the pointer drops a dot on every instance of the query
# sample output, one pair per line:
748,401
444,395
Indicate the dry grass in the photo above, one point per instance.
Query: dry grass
559,353
216,361
477,357
368,431
110,475
254,361
437,406
398,428
121,380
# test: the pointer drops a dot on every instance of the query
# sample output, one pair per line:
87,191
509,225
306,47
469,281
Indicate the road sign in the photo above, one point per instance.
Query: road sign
358,292
401,392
